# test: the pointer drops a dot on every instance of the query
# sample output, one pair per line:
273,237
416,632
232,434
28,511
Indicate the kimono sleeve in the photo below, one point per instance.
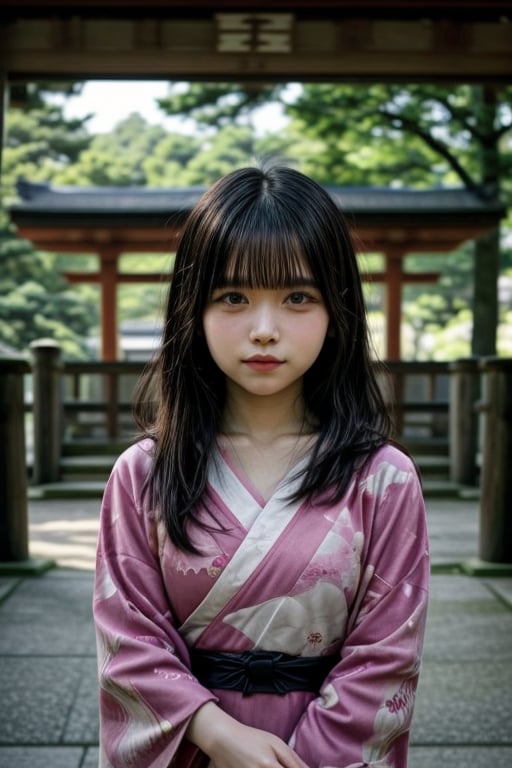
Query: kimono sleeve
146,691
363,713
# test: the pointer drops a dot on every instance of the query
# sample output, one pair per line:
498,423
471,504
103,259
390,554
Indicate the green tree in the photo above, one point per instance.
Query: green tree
219,104
35,301
117,158
136,153
450,135
39,142
232,146
428,314
168,161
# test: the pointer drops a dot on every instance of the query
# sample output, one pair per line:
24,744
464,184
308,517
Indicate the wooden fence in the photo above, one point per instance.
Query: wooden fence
91,401
465,405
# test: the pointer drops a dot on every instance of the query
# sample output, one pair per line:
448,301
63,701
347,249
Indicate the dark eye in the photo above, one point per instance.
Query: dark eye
298,297
233,298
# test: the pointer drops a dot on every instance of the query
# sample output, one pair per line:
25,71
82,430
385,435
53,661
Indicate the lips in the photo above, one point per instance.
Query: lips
263,362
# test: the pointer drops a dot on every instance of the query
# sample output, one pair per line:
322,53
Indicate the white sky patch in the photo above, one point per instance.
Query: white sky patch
111,101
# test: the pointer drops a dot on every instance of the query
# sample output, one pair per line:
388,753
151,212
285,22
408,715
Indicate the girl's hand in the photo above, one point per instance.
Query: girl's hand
229,744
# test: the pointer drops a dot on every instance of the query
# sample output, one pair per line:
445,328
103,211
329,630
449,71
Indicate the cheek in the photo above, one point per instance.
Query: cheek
209,330
218,332
317,329
210,322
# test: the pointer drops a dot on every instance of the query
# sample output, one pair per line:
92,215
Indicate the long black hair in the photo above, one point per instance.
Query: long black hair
257,227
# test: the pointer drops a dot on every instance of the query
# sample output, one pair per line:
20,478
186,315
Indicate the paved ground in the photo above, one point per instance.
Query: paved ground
48,715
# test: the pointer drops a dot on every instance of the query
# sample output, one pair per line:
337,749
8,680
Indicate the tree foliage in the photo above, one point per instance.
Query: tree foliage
219,104
39,141
36,301
413,135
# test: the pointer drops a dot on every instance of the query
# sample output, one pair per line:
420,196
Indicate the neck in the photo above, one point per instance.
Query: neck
264,418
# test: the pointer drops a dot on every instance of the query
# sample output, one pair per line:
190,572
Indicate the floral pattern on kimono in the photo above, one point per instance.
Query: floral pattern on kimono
347,579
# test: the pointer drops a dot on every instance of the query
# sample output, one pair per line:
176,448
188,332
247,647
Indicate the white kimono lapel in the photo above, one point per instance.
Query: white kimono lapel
231,490
264,532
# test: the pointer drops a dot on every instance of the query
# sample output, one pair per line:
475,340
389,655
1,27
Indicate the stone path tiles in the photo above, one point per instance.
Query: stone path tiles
47,671
48,616
48,706
42,757
460,757
465,693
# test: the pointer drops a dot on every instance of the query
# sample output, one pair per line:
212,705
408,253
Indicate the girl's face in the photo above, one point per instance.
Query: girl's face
265,339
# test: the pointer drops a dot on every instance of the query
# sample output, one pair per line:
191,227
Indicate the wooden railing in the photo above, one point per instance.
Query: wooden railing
97,399
465,403
417,396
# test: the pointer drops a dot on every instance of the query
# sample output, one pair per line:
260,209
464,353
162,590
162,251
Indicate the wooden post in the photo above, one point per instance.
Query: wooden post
47,370
464,395
109,333
394,277
13,467
496,483
111,393
108,277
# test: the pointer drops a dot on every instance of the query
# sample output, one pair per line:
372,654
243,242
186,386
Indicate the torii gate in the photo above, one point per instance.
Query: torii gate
110,222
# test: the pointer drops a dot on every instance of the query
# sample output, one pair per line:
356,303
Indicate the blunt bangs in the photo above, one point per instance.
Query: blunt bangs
261,251
268,230
273,263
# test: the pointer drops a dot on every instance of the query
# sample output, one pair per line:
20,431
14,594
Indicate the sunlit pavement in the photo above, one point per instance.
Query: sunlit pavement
48,706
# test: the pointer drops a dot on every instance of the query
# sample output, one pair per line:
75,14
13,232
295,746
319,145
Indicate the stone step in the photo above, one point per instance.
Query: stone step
433,466
440,488
86,467
94,447
98,467
93,489
429,446
86,489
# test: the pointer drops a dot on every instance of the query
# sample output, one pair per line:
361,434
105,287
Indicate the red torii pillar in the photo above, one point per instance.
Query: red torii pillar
393,306
108,277
394,278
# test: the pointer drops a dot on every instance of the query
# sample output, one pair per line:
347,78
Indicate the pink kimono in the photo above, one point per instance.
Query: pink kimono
349,579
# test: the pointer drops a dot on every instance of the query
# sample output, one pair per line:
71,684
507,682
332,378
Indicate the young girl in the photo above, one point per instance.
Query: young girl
262,572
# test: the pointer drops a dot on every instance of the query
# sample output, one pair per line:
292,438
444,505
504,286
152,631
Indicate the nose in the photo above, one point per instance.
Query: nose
264,328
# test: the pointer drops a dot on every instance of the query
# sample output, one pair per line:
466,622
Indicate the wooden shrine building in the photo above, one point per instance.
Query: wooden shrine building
113,221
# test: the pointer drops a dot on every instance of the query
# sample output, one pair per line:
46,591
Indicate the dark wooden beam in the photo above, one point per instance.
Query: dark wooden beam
283,41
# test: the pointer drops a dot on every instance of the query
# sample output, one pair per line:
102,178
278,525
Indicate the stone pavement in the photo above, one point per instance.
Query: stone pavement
48,711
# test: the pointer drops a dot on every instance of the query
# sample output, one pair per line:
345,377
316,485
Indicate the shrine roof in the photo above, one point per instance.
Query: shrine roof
365,205
143,220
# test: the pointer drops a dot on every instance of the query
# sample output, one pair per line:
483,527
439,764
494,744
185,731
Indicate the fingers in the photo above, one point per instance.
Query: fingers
289,759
